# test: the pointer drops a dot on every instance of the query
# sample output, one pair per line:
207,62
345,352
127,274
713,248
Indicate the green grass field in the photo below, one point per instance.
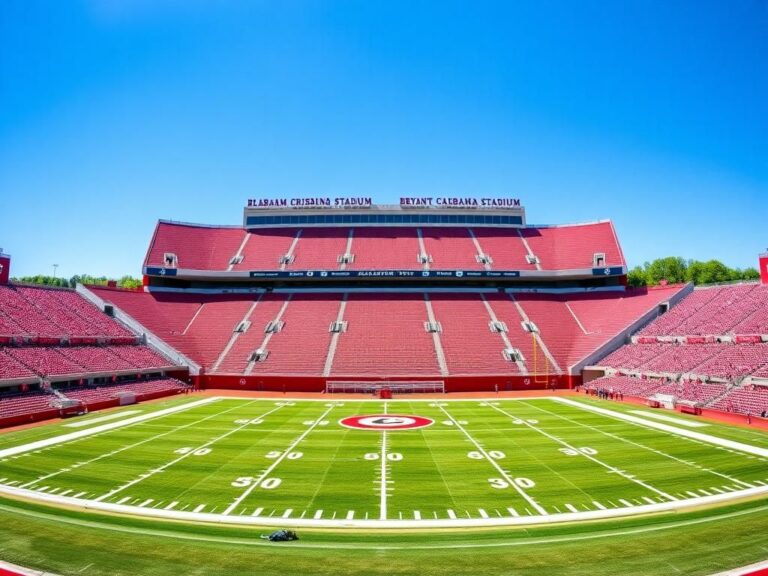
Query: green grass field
593,470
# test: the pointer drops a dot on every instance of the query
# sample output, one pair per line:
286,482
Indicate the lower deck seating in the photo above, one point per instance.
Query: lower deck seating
747,400
91,395
47,361
19,404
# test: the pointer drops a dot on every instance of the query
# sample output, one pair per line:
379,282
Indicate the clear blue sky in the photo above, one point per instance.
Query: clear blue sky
114,113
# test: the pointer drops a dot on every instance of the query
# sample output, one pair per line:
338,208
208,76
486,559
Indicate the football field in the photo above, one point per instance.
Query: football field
377,464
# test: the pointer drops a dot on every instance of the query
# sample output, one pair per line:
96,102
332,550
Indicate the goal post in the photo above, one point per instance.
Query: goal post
358,387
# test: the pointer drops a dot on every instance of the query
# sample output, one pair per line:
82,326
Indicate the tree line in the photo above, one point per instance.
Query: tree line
124,282
675,270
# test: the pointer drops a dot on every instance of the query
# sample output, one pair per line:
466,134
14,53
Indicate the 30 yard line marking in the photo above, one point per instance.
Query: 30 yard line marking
274,465
495,464
588,456
154,471
134,445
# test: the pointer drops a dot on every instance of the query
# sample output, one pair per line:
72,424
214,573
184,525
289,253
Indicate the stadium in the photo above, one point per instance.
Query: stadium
434,386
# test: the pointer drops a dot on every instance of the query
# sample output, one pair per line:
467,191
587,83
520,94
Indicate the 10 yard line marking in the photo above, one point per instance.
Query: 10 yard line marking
592,458
274,465
495,464
180,458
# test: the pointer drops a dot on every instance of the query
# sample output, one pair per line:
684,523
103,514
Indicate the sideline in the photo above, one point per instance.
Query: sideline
103,428
89,421
191,536
722,442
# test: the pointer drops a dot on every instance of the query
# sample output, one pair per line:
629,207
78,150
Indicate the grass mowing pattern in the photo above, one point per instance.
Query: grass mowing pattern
291,460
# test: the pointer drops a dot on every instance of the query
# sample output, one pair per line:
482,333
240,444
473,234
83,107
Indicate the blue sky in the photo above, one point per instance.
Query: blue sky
114,113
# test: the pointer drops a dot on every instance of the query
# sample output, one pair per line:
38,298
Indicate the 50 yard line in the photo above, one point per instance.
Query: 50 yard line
274,465
383,484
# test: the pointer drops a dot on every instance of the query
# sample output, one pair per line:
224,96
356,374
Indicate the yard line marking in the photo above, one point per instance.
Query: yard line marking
114,416
716,490
351,515
78,494
257,512
65,492
171,506
416,515
693,494
626,502
598,505
103,428
288,513
597,461
649,500
383,474
513,512
451,514
495,464
643,446
483,513
274,465
135,444
571,507
146,502
721,442
154,471
124,500
318,515
199,508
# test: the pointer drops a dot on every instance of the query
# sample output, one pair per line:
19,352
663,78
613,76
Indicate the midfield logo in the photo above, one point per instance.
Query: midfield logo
386,422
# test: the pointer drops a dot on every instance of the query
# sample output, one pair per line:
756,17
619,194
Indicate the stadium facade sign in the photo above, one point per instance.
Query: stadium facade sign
367,202
451,202
317,202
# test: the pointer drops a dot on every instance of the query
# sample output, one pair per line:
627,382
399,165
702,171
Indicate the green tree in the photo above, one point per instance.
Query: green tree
672,269
750,274
636,277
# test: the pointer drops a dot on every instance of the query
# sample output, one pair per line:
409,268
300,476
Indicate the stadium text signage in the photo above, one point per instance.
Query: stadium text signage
444,202
327,274
320,202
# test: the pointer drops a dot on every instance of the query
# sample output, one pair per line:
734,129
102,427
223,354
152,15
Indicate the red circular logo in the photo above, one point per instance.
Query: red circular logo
386,422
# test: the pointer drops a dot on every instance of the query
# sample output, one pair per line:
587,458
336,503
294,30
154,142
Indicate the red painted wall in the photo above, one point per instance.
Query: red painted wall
764,268
317,384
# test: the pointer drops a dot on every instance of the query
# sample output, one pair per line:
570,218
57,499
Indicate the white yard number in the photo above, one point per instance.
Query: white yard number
198,452
392,456
521,482
495,454
267,483
576,451
291,455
